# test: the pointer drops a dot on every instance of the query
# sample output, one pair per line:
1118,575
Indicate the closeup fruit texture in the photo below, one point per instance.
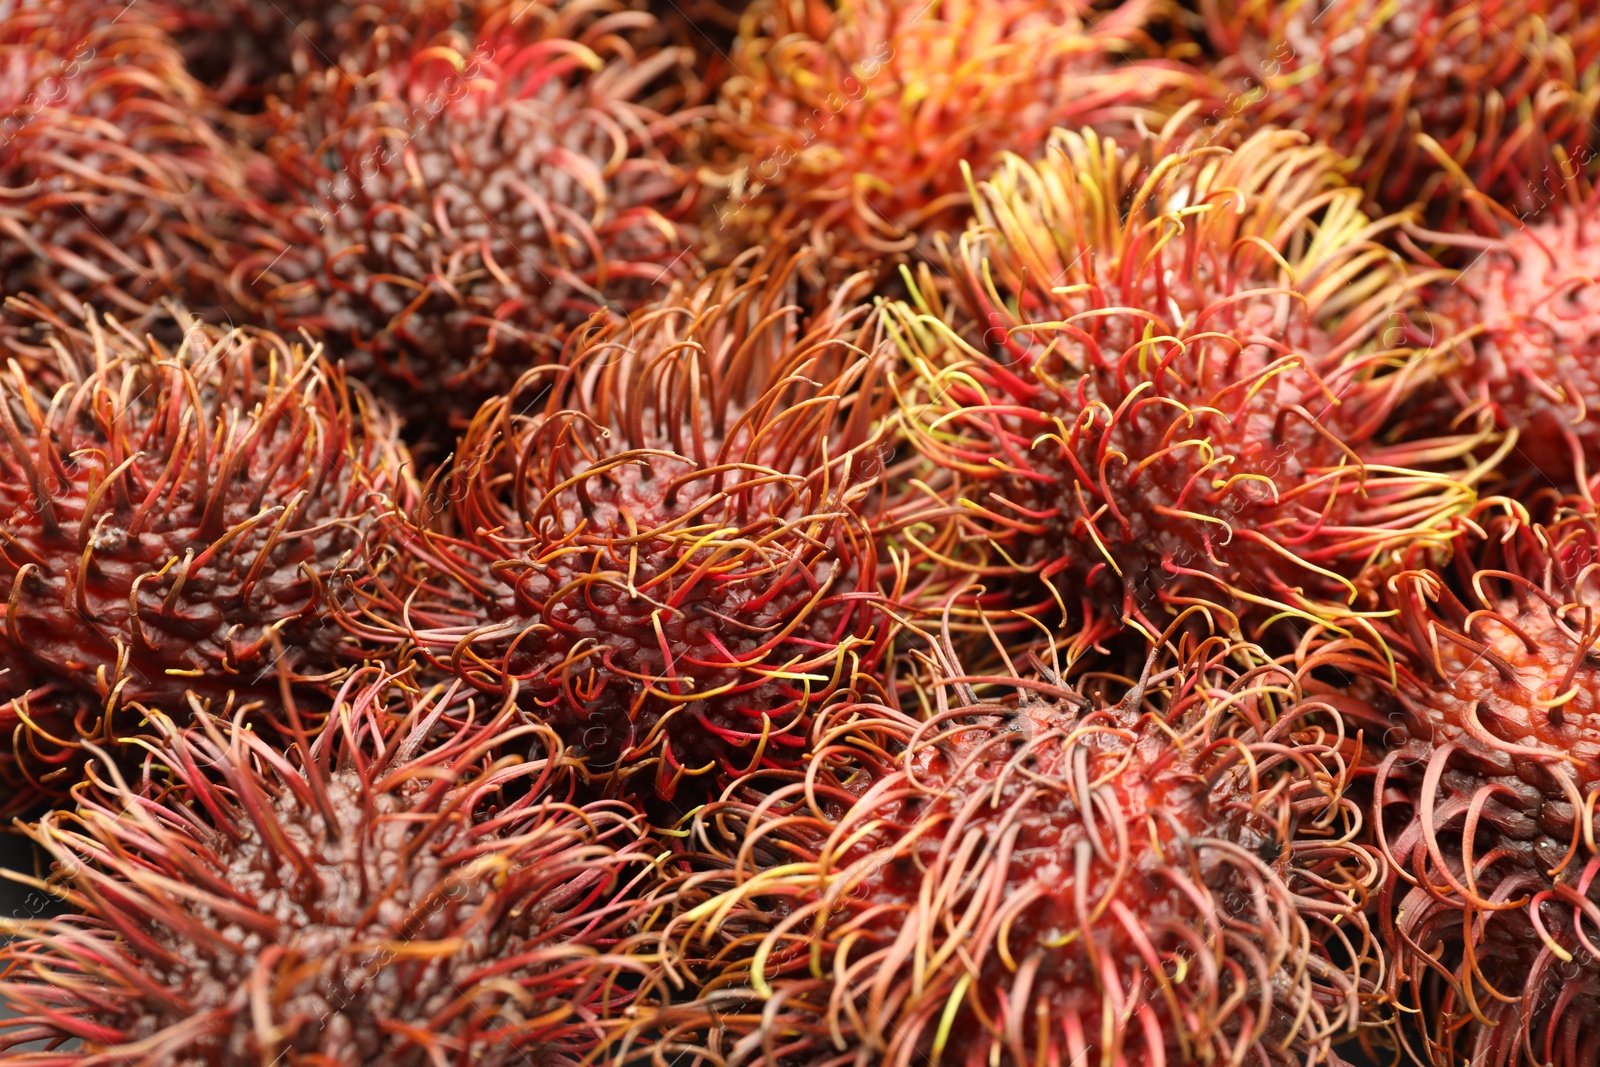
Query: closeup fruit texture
121,188
377,894
459,203
1039,877
854,120
166,515
1506,89
1485,791
1521,327
1166,384
664,542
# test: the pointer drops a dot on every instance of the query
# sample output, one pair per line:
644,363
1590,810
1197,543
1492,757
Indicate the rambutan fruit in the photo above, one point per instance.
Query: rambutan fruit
166,516
1520,328
1164,378
119,190
666,542
1039,876
854,118
1484,796
382,893
461,202
1505,88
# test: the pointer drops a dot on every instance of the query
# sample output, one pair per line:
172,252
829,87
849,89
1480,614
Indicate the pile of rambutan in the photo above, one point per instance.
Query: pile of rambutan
799,533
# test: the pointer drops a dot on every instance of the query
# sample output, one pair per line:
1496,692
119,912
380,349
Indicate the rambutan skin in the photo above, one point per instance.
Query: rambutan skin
1520,326
1504,90
461,200
665,541
121,186
167,516
1165,383
382,893
1484,791
1038,878
854,119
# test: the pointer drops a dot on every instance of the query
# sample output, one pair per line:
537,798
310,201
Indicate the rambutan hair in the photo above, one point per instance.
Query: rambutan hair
1487,697
1034,875
1421,91
853,119
459,201
382,892
667,540
1163,376
121,188
1519,330
166,515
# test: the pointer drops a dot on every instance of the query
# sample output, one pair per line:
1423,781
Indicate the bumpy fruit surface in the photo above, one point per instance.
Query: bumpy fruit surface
1521,326
459,203
381,893
666,540
1504,89
1484,788
854,119
1044,878
120,189
1165,383
166,517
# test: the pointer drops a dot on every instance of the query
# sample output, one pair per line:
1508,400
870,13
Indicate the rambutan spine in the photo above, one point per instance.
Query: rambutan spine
384,892
1166,382
167,515
1036,876
665,541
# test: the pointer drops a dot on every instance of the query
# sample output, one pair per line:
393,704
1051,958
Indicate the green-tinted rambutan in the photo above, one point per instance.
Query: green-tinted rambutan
165,516
1485,794
853,119
459,204
1164,380
382,893
1505,87
667,540
118,189
1037,876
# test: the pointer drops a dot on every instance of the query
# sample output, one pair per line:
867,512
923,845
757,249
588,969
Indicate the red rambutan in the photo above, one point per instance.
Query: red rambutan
1485,797
1165,377
1039,877
665,539
165,516
1520,327
380,894
118,188
460,201
1503,87
854,118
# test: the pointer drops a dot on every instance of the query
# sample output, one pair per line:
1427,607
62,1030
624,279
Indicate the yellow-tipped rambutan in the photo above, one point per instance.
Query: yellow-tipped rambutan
459,202
1034,875
667,540
381,893
1164,380
166,515
1505,88
853,119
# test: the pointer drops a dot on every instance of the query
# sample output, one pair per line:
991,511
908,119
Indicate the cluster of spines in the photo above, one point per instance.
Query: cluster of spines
1166,382
994,882
793,524
174,519
383,891
665,542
